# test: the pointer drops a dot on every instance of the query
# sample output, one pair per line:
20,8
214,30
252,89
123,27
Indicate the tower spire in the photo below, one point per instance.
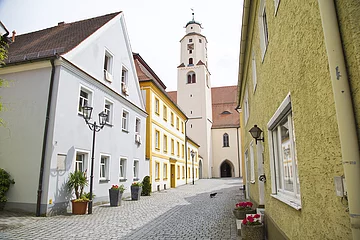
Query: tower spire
192,14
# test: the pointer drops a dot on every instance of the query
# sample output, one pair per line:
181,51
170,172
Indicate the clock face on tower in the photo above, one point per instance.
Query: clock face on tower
190,46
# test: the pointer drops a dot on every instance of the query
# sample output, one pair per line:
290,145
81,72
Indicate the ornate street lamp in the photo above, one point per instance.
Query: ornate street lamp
193,167
255,132
87,111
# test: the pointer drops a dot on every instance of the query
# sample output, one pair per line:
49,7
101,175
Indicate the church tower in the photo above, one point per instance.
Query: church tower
194,92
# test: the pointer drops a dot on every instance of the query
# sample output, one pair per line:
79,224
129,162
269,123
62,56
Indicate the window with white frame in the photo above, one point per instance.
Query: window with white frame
81,161
125,121
165,143
104,167
157,106
284,167
137,125
124,81
157,170
253,68
246,106
157,139
264,34
108,109
136,170
165,171
85,98
108,62
252,163
122,169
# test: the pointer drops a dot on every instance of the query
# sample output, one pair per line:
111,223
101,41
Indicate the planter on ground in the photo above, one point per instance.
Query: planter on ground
241,214
135,192
115,197
79,207
252,232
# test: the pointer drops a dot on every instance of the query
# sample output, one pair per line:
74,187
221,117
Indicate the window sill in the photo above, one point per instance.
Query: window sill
125,131
122,180
157,179
104,180
165,179
288,201
252,182
109,124
136,179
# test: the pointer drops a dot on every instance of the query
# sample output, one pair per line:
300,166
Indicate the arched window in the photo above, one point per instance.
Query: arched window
225,140
191,77
191,61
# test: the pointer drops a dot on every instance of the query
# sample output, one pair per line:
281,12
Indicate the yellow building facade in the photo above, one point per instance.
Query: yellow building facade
166,145
307,103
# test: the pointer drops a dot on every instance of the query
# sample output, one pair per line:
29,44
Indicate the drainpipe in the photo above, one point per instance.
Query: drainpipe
238,150
344,111
42,164
186,179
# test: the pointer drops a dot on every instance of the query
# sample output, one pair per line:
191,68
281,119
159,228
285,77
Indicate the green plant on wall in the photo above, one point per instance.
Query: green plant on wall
146,189
5,182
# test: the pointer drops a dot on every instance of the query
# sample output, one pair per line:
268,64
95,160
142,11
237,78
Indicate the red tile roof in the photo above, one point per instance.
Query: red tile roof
55,40
223,106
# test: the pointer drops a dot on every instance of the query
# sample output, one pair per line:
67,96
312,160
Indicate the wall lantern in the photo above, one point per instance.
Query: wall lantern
255,132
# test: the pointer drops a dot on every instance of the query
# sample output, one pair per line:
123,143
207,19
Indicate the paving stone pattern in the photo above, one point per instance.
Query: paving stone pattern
186,212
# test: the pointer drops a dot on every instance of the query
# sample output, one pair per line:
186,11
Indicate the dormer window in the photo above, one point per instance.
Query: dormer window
108,61
191,77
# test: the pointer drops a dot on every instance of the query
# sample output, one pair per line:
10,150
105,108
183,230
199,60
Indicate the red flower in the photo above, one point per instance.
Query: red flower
250,218
256,216
244,221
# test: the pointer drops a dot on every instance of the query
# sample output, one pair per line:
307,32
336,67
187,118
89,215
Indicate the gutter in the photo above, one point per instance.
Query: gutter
44,146
349,141
238,150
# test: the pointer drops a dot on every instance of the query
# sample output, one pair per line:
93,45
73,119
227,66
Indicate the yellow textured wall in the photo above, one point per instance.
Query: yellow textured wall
296,62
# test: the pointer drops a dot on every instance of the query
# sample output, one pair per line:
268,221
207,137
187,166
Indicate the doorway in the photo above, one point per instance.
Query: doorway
172,180
226,169
200,169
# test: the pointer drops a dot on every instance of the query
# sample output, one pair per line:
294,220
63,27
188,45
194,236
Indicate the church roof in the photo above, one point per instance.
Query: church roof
223,106
193,22
55,40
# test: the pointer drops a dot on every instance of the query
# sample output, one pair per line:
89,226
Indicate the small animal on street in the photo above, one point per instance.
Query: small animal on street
212,195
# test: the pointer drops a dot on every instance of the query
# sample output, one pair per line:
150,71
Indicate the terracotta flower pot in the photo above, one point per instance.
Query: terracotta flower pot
252,232
79,207
241,214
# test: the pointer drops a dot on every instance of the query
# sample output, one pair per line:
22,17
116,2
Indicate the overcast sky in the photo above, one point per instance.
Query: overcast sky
155,28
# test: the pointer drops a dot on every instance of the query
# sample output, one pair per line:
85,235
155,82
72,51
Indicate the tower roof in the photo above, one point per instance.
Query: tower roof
193,21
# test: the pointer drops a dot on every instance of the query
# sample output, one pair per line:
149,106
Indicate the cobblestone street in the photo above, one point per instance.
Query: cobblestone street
186,212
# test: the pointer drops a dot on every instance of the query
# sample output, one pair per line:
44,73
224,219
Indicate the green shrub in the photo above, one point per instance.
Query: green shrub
146,189
5,182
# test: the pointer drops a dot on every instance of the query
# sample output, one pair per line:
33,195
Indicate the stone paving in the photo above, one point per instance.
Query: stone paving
186,212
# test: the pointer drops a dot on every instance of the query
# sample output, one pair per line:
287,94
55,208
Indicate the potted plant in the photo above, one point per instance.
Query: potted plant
243,208
5,182
77,181
146,186
252,228
136,188
115,195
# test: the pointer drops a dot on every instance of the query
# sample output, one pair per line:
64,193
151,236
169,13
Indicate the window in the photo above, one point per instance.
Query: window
157,105
85,99
253,68
188,153
172,118
284,168
207,81
165,171
183,172
190,40
246,106
177,123
165,143
122,169
252,163
178,172
165,112
190,51
182,150
108,109
178,148
104,167
157,139
182,127
226,140
200,41
172,146
81,161
264,35
108,61
191,77
191,63
124,81
125,121
157,171
137,125
136,170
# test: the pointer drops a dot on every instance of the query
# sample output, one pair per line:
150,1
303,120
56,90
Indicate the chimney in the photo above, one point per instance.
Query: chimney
13,36
61,23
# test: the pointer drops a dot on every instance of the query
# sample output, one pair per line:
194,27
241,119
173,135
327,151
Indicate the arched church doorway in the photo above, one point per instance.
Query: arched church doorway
200,169
226,169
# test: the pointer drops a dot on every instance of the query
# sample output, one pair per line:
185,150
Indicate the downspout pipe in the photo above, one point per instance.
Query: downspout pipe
344,111
44,145
238,149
